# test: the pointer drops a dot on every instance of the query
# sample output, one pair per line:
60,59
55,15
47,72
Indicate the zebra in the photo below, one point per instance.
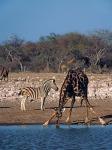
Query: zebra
39,92
4,72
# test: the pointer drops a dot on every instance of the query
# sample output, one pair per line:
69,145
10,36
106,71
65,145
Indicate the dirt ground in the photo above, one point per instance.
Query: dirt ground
10,112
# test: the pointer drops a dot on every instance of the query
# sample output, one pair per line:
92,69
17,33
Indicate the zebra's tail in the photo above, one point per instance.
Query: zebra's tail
1,77
20,92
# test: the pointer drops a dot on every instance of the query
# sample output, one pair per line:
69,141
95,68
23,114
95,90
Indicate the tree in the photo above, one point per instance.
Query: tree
96,58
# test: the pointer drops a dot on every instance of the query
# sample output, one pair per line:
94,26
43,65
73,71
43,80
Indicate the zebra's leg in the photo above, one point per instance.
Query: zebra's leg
24,108
23,104
86,119
1,78
22,101
42,103
7,78
4,78
68,120
81,102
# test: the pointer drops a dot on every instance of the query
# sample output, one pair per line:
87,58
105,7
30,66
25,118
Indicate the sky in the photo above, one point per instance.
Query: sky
31,19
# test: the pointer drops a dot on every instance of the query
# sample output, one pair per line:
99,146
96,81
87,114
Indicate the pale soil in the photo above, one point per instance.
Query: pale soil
100,96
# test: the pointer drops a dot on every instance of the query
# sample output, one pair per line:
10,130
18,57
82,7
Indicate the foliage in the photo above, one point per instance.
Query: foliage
53,52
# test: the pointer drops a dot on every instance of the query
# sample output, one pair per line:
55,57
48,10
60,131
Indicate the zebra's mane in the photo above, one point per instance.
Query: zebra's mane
47,81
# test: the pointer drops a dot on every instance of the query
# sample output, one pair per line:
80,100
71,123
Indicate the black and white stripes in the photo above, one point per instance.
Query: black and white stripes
39,92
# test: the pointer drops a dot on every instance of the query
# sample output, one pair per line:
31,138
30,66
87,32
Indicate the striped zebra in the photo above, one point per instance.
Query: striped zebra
4,72
39,92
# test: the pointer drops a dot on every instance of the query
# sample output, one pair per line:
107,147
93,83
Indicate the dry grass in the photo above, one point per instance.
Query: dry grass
101,85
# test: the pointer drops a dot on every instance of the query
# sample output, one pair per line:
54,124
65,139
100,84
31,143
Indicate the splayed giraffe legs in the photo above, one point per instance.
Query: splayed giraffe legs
99,118
88,106
68,119
52,116
82,99
92,110
60,110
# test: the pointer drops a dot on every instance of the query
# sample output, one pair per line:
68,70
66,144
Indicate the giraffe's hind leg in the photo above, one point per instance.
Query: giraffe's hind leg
88,103
99,118
92,110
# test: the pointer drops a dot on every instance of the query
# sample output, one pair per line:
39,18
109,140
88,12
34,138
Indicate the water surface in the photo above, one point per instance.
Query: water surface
37,137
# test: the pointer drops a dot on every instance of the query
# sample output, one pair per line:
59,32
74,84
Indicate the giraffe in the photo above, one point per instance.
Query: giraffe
75,84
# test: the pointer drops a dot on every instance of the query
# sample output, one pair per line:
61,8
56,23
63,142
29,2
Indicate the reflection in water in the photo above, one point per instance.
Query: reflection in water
35,137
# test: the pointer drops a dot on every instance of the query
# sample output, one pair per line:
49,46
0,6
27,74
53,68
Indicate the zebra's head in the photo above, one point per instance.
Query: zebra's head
51,83
54,85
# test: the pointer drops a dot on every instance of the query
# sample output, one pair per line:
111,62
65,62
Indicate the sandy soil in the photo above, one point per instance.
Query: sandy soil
10,112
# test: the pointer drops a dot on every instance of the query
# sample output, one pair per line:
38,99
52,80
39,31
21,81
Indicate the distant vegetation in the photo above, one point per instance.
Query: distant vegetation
57,53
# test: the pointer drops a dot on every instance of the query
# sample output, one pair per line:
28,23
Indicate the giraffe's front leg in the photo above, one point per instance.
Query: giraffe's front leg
58,123
52,116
